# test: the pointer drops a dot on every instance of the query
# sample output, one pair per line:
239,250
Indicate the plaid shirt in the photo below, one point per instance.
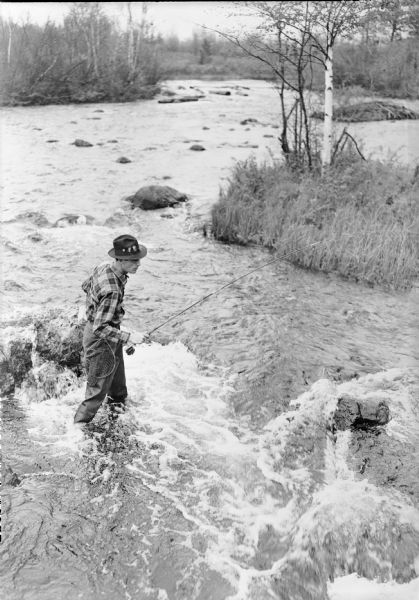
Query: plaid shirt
104,308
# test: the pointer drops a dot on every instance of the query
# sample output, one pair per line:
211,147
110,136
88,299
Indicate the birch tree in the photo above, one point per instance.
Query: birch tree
275,43
296,38
87,19
328,21
9,43
139,40
317,25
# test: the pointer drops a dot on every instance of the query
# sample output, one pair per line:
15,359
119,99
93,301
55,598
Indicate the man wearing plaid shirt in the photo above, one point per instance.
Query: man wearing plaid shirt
103,338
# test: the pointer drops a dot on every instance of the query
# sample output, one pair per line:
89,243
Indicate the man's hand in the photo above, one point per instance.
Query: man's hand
137,338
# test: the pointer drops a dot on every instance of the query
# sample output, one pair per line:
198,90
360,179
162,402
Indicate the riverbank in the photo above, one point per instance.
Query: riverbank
90,96
360,220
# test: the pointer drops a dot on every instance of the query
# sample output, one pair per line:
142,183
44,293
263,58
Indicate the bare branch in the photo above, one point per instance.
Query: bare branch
42,75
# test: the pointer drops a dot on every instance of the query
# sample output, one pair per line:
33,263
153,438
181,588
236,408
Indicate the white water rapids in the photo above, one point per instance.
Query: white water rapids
200,491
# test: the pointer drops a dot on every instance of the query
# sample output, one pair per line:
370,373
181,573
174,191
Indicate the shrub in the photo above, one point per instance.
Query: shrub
361,220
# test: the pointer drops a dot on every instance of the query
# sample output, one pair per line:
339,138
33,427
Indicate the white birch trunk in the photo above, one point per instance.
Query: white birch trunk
328,110
131,54
9,45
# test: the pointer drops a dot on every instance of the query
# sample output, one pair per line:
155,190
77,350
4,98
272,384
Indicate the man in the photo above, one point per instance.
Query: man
103,339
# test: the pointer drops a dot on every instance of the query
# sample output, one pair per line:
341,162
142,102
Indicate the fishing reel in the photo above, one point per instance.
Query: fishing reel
130,349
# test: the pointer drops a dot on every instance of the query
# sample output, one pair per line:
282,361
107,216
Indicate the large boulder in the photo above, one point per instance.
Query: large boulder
60,343
152,197
360,412
55,338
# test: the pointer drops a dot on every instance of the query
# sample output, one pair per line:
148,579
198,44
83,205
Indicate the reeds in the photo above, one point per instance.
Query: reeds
361,220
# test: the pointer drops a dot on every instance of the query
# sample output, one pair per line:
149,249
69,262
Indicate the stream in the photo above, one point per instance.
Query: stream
223,479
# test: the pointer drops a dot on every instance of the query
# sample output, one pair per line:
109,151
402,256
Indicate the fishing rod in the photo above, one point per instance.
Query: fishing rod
131,348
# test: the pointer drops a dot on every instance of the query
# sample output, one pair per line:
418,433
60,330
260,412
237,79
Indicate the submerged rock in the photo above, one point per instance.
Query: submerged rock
360,412
197,147
35,237
152,197
118,219
73,220
10,285
179,99
34,217
123,160
221,92
10,477
81,143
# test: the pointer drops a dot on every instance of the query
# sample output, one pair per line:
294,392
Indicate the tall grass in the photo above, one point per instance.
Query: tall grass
361,220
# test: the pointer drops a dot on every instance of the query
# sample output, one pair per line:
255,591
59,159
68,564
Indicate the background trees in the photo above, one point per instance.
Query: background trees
87,58
296,40
94,57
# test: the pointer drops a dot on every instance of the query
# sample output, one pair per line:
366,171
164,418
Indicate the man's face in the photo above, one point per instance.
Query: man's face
131,266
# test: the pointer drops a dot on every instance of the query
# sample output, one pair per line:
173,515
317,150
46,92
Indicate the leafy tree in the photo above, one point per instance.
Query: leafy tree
88,58
295,39
205,51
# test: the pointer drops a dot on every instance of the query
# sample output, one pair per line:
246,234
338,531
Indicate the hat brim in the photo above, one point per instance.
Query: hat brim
142,252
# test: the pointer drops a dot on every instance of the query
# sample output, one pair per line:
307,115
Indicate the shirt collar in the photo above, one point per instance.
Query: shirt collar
122,277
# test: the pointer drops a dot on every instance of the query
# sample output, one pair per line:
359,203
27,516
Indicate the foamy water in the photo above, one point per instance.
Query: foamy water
233,489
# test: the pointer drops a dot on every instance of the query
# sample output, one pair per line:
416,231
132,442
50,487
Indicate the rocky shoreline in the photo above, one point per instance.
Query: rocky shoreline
81,97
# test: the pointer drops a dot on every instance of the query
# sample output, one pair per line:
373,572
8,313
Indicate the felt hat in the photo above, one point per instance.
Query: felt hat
126,247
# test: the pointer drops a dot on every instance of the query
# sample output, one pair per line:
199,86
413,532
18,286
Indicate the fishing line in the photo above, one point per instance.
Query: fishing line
277,259
100,360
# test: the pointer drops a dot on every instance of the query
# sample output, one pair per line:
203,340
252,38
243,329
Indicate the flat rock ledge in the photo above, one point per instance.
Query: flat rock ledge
360,413
152,197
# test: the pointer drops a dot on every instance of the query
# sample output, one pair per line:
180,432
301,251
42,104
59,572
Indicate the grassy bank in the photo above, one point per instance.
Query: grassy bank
361,220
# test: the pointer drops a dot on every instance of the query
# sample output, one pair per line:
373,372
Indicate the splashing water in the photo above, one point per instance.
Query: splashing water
248,515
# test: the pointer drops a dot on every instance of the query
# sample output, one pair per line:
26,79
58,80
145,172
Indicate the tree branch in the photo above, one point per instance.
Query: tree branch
42,75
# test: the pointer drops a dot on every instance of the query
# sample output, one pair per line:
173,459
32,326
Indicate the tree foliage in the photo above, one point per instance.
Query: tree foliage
91,57
297,40
87,58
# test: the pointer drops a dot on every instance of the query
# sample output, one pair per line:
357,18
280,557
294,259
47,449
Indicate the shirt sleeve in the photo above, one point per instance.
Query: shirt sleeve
86,284
102,324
